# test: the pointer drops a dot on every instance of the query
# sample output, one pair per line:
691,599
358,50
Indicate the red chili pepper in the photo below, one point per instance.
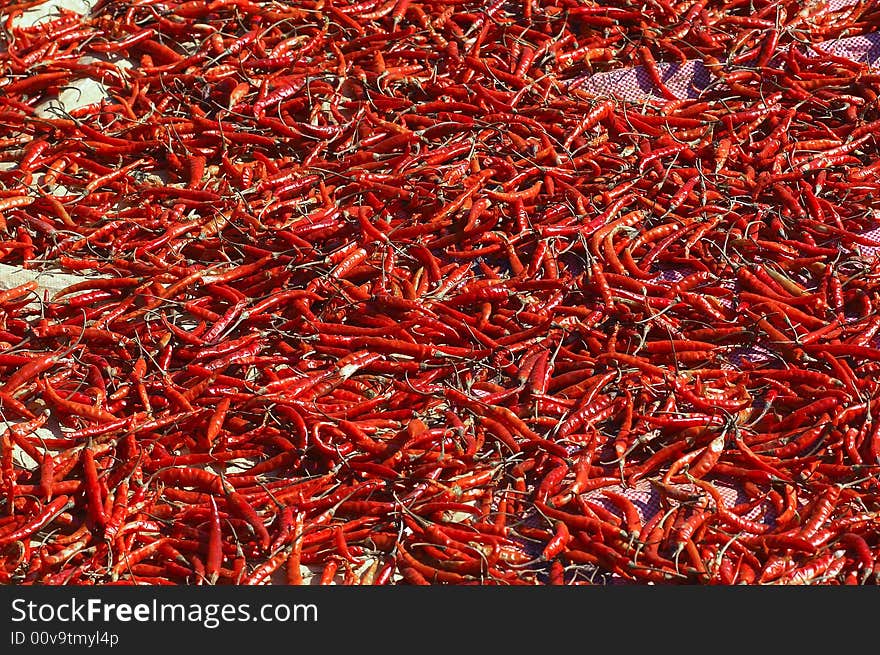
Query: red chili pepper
37,522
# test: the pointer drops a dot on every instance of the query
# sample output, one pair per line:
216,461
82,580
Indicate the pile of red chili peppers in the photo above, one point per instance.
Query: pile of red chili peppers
375,289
